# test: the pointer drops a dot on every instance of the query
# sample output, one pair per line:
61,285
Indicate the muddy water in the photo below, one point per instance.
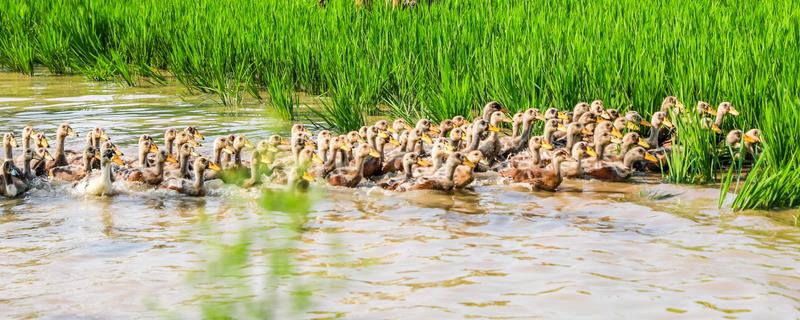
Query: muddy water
593,250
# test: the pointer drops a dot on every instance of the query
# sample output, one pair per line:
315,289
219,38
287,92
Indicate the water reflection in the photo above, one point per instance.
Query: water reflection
594,250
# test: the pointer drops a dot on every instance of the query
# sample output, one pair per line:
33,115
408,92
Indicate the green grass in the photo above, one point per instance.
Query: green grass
437,61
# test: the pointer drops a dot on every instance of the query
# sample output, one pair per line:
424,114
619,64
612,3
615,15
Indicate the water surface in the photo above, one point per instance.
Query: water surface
592,250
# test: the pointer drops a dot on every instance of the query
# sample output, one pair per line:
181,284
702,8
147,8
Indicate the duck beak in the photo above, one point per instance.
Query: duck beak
394,141
13,142
392,130
374,153
97,154
493,128
615,132
561,128
427,139
715,128
228,150
605,115
424,163
631,126
590,151
383,135
171,159
586,132
734,111
116,159
104,137
316,159
751,139
546,145
153,148
307,176
468,163
650,157
194,154
563,116
345,147
644,123
435,130
214,166
507,120
540,117
48,156
117,150
668,123
643,143
198,136
71,132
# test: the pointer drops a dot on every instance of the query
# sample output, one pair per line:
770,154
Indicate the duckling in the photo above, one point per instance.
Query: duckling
490,108
542,178
323,143
351,176
184,137
27,135
262,159
196,187
398,127
630,140
601,141
445,127
751,138
596,107
145,147
38,163
609,114
184,154
460,121
619,171
455,139
377,166
723,109
442,183
588,120
578,111
337,144
169,140
60,157
12,186
10,142
574,169
155,175
550,127
465,173
409,160
520,143
195,134
478,128
659,119
101,185
439,153
75,172
491,147
300,176
671,104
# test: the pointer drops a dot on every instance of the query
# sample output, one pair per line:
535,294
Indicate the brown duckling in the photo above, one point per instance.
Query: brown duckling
578,111
723,109
491,146
60,156
195,134
547,179
169,140
619,171
659,119
196,187
671,104
183,171
490,108
10,142
630,140
442,183
76,172
155,175
409,160
456,138
465,173
574,169
351,176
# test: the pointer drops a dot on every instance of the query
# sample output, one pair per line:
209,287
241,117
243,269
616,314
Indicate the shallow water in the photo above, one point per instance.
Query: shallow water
592,250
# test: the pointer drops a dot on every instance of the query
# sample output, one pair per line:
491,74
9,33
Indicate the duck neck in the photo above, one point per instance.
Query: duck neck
475,141
322,150
408,170
437,162
237,157
451,172
570,141
143,157
381,146
8,152
168,146
628,160
255,163
601,149
105,172
61,157
720,117
535,156
360,166
218,155
26,143
198,178
579,158
184,165
515,129
26,168
160,168
557,165
548,134
87,162
526,134
626,145
652,139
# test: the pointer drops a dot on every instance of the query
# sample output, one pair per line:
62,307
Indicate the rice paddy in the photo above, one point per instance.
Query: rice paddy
450,58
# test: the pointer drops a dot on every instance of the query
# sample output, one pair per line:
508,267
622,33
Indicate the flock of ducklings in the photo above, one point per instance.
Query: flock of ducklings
589,142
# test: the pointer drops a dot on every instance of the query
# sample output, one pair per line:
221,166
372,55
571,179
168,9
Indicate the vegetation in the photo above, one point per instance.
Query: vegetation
449,58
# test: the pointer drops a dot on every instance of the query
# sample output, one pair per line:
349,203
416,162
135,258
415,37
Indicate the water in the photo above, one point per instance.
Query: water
592,250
